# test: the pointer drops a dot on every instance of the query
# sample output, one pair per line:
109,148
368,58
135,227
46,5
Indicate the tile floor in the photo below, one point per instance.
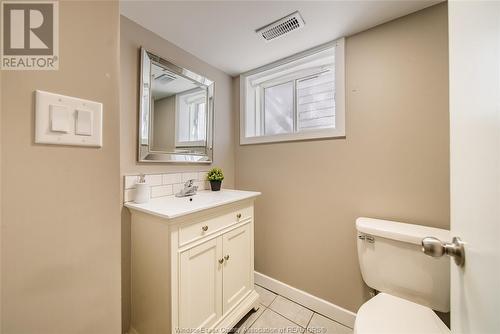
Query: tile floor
280,315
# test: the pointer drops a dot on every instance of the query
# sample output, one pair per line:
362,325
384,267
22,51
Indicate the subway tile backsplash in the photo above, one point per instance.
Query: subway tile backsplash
189,176
164,184
172,178
161,191
154,180
130,181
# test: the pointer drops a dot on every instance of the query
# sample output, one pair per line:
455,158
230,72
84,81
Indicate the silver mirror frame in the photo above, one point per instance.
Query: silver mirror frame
145,154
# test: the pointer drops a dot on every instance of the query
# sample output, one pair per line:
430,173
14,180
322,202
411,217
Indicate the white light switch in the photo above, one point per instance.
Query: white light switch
66,120
83,122
59,118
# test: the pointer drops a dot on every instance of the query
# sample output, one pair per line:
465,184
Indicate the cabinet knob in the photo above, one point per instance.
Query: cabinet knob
226,257
238,215
204,228
221,261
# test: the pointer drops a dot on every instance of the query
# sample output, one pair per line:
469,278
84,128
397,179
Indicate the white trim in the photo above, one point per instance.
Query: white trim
340,83
294,57
340,105
304,135
318,305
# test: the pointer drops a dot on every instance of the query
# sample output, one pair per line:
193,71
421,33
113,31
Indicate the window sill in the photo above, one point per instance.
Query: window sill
302,136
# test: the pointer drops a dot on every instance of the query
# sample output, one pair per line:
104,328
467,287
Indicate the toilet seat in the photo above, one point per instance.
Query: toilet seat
387,314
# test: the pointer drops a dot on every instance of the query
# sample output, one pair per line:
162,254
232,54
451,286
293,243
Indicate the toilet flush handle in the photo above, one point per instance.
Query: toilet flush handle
436,248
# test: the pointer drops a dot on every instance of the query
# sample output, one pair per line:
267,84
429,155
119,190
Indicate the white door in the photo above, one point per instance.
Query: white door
474,38
200,301
237,266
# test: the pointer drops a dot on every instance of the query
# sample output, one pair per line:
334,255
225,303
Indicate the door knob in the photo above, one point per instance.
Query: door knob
226,257
221,261
436,248
204,228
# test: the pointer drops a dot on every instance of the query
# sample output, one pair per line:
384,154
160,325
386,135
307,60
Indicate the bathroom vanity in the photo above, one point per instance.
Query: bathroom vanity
192,262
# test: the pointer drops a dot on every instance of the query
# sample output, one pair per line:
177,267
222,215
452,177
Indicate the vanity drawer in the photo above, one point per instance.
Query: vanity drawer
191,232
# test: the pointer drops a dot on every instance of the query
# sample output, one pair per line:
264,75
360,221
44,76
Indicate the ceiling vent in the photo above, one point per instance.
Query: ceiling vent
165,78
281,27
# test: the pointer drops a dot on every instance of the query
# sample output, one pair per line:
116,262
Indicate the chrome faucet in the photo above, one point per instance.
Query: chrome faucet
189,189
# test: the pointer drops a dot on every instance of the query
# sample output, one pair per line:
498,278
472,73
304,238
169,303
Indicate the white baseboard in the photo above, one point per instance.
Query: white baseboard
318,305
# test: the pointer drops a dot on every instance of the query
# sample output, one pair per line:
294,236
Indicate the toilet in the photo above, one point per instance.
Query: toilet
410,284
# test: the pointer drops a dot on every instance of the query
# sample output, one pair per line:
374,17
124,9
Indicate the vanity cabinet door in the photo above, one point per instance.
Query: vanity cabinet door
237,266
200,285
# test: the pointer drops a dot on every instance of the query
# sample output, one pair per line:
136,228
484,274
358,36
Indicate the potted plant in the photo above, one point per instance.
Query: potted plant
215,176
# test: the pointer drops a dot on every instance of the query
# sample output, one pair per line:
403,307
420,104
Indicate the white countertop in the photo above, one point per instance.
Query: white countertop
170,207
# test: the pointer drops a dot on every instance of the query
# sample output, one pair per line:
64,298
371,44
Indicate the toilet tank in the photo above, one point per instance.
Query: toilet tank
391,261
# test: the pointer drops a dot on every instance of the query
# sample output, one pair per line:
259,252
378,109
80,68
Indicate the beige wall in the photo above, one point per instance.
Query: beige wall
394,163
61,211
164,124
132,37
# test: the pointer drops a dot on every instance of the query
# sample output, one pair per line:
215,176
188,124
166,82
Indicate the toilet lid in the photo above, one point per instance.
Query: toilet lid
389,314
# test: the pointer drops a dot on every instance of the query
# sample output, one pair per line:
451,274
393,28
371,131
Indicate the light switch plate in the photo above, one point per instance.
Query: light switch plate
86,131
59,118
83,122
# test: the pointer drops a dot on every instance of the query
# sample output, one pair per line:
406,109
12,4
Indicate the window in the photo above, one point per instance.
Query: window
278,109
298,98
191,119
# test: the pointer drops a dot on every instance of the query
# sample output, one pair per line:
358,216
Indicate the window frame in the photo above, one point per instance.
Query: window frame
337,132
182,144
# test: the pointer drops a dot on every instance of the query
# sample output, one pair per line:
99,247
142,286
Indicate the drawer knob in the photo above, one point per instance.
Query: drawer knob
238,215
221,261
204,228
226,257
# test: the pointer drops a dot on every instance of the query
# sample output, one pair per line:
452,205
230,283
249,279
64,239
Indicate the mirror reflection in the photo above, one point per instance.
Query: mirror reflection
178,111
175,113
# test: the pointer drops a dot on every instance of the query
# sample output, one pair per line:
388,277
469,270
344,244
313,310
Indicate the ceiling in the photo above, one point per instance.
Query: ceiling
222,33
165,83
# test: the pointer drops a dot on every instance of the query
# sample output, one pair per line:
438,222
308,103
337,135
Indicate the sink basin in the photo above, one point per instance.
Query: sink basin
172,207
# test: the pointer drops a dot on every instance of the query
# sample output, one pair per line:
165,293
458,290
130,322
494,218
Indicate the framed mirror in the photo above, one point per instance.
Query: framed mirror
175,113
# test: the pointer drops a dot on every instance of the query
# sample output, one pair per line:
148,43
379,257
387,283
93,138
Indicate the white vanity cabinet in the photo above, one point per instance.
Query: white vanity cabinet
192,270
214,276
